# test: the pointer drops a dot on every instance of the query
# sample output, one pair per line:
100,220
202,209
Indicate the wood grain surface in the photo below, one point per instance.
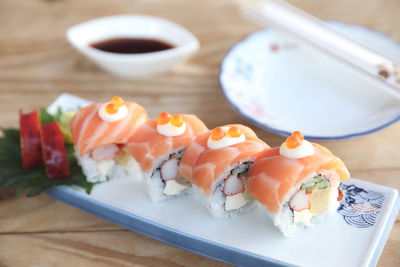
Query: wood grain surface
37,64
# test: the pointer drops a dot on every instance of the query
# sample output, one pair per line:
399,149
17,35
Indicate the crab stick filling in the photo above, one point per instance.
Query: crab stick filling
169,173
114,110
296,147
234,188
314,197
222,137
170,125
174,184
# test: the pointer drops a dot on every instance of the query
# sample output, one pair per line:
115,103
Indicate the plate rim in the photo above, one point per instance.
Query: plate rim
198,245
280,132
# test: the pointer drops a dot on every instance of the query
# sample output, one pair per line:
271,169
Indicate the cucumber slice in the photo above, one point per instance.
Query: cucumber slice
323,184
177,155
242,169
308,185
318,182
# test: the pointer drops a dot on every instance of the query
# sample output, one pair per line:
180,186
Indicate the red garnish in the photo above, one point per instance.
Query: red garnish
30,140
340,195
54,153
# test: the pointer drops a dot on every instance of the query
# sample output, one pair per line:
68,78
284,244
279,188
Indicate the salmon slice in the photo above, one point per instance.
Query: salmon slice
272,177
146,145
204,167
89,131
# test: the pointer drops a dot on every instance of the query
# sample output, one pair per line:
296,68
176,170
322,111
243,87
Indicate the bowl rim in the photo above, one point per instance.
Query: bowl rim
190,46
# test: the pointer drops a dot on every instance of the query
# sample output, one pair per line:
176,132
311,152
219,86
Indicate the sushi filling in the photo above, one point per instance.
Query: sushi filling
313,198
235,188
168,173
101,163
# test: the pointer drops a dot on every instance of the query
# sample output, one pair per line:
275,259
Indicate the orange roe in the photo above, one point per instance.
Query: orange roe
111,108
176,120
294,140
233,132
163,118
117,101
217,134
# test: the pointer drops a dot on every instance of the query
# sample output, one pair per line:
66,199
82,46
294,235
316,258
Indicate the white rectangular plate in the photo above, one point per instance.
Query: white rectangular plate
354,236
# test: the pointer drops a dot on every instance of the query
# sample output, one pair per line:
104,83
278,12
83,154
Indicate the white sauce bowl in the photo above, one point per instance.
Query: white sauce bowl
133,66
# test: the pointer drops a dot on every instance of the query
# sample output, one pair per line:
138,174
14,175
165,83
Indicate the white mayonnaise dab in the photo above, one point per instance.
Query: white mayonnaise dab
169,130
121,113
305,149
225,141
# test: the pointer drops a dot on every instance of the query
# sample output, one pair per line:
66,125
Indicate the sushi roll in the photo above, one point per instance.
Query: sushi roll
158,146
100,132
217,163
297,183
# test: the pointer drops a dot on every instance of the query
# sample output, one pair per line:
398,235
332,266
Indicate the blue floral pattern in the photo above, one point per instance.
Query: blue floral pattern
360,207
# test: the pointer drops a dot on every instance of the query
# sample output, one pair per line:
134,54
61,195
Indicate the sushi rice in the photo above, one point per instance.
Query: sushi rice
101,171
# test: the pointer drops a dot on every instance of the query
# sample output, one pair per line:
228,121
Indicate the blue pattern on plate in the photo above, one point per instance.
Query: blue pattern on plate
360,207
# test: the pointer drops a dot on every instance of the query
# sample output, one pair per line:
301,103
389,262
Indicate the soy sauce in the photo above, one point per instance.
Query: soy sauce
131,45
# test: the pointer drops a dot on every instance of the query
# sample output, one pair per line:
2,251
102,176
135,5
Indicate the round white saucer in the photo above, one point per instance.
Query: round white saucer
282,86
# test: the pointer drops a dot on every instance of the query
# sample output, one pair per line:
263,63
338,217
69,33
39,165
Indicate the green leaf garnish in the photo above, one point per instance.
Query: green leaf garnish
46,117
33,181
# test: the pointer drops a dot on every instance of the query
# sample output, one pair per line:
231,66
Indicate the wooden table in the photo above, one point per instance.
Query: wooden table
37,64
